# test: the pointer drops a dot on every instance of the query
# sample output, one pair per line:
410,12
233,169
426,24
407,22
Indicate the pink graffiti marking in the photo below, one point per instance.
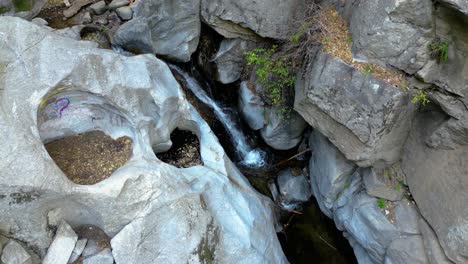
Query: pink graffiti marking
56,108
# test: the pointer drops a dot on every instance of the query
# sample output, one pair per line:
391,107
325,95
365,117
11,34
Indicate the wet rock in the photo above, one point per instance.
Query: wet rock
293,186
230,60
330,172
438,184
251,106
378,186
124,12
397,34
14,253
406,250
234,19
134,36
117,3
367,119
154,202
102,257
282,132
99,8
79,247
62,247
460,5
173,26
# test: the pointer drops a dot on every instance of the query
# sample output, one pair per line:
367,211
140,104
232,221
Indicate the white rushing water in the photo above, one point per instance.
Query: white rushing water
250,157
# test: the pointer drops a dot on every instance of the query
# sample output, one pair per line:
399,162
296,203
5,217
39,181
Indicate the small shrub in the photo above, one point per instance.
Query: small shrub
274,74
381,203
421,98
439,50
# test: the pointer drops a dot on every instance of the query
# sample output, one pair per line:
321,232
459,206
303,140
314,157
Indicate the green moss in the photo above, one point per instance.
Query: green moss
4,9
274,74
22,5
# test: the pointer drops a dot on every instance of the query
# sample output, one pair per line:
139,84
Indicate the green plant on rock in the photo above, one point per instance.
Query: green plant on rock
421,98
274,74
439,49
369,69
22,5
381,203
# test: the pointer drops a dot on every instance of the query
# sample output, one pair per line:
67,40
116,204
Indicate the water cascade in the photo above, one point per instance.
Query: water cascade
250,157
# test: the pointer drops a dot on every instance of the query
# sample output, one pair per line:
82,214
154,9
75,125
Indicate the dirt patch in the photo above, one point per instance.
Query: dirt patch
337,41
185,150
90,157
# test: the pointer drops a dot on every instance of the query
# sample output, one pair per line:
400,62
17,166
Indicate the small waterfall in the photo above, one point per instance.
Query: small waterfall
250,157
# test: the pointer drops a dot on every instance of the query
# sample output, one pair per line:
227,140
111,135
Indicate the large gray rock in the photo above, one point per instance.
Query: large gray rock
282,132
251,106
14,253
62,247
395,32
330,172
174,28
406,250
133,96
435,253
438,184
245,18
367,119
293,188
229,59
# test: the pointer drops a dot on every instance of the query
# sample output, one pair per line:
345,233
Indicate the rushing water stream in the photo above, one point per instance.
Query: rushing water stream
250,157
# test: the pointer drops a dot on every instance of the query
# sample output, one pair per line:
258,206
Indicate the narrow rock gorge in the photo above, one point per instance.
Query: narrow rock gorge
233,131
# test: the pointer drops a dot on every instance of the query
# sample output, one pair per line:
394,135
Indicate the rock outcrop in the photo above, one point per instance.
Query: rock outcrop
366,118
438,182
245,19
52,87
378,235
168,28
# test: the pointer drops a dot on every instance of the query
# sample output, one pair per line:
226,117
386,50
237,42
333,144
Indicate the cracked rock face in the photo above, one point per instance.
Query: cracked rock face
158,212
368,120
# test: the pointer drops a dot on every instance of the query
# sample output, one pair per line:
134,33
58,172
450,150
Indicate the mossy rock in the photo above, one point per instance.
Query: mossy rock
22,5
4,9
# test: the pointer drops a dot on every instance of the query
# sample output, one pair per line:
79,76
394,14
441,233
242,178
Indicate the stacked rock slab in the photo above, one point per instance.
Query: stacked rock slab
221,216
366,118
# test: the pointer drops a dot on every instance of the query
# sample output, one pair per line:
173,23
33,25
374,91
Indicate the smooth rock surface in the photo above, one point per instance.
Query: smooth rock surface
99,8
134,36
406,250
244,19
330,172
229,59
293,188
174,28
124,12
79,247
61,249
281,132
103,257
434,252
117,3
14,253
367,119
438,184
251,106
136,97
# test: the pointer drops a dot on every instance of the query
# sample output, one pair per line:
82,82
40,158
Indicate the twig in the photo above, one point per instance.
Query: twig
295,156
327,243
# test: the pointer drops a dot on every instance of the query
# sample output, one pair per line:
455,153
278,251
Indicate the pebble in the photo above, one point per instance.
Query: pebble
99,7
125,12
117,3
